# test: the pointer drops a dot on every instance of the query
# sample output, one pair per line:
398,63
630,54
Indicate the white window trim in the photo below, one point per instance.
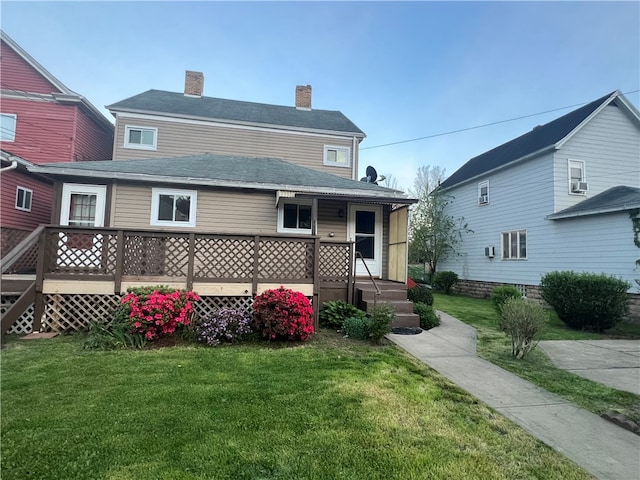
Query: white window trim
335,164
480,185
517,247
584,175
15,127
100,191
22,208
128,128
281,228
155,205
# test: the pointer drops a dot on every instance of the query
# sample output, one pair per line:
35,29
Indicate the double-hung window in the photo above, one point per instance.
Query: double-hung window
145,138
337,156
295,217
483,193
173,208
8,127
577,179
24,197
514,245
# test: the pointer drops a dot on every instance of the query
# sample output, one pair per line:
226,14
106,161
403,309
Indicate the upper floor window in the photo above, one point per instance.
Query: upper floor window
514,245
140,137
7,127
294,216
577,178
24,197
337,156
483,193
173,208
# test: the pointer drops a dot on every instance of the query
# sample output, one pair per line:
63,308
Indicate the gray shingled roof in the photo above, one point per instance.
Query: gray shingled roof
537,140
210,108
224,171
615,199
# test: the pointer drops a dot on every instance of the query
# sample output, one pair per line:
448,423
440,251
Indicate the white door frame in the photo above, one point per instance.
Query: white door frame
375,264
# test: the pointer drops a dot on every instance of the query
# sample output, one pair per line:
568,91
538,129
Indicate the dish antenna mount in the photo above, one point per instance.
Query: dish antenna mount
372,176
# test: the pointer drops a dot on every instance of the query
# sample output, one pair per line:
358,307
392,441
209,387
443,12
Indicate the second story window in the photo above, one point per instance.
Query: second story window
140,137
337,156
577,179
7,127
24,197
483,193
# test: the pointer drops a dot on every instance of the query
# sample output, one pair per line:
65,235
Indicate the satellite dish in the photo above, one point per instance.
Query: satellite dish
372,175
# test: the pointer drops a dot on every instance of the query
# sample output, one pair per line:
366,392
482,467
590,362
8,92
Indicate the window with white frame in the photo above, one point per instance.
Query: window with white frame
577,179
145,138
337,156
294,216
483,193
24,197
514,245
8,127
173,208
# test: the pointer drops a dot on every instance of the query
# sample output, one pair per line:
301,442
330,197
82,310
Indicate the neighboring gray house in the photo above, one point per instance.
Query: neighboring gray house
557,198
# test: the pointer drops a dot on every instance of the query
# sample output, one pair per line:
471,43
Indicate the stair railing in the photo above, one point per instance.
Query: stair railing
378,292
14,255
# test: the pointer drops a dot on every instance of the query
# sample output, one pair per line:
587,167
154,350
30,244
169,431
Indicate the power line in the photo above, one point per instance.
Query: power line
480,126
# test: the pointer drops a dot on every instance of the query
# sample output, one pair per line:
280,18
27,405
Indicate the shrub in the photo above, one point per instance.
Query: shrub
522,321
586,300
420,295
283,314
158,313
333,314
225,324
428,316
501,294
445,280
381,318
357,327
113,335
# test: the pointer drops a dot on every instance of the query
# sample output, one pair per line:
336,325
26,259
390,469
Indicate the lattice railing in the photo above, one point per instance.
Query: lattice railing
335,262
10,238
24,262
290,259
80,252
224,257
22,325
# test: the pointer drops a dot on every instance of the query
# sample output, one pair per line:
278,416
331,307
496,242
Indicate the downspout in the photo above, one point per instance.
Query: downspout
13,166
354,166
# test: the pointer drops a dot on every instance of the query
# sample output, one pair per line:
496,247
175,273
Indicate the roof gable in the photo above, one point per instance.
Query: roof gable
542,138
234,111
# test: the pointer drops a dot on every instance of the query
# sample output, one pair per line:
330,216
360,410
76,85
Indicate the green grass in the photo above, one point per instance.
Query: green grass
328,409
495,346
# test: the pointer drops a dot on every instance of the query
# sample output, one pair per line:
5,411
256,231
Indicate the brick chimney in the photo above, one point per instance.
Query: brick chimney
303,97
193,83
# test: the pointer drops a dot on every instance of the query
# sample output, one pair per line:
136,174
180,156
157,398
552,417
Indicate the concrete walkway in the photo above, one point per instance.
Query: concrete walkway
600,447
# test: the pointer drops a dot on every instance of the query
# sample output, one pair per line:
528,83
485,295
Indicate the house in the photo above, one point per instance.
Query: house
559,197
42,121
224,197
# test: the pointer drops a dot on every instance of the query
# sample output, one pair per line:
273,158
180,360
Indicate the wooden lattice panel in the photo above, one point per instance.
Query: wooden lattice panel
207,305
176,262
143,255
75,312
24,324
224,257
280,259
10,238
334,263
80,253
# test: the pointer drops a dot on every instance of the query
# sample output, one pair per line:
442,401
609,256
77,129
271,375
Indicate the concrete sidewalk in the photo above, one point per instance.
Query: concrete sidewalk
600,447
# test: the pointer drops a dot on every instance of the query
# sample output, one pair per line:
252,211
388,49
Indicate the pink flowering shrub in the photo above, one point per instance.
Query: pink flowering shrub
283,314
160,312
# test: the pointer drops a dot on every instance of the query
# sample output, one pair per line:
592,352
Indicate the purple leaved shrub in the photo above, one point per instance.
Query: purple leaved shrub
224,325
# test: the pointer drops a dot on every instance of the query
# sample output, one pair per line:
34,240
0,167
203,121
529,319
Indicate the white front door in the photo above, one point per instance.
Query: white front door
365,229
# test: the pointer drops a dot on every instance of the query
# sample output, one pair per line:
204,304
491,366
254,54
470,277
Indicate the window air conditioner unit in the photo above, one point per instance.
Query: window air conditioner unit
579,187
489,252
484,199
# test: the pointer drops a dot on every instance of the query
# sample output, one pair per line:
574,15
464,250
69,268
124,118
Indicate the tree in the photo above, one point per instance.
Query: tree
434,235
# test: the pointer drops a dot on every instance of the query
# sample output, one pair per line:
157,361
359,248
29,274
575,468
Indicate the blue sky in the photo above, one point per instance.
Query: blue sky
399,71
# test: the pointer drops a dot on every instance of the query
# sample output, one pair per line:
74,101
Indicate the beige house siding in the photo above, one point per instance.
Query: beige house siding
180,138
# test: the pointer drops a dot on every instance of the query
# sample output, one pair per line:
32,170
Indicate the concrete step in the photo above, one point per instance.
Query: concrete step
400,306
406,320
367,295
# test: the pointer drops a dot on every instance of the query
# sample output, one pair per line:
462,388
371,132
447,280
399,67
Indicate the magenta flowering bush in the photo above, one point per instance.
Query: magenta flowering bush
225,325
160,312
283,314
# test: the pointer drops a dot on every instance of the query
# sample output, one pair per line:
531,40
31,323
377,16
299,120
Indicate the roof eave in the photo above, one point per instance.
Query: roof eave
596,211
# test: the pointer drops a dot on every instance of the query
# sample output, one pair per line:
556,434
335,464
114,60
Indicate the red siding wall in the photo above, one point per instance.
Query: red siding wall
92,142
19,75
41,200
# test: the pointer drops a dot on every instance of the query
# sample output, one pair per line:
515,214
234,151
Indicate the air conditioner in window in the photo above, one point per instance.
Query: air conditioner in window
489,252
483,199
579,187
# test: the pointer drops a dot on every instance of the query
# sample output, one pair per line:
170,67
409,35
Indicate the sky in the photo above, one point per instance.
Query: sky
400,71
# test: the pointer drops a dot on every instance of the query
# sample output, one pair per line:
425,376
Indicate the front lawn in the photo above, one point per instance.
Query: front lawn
328,409
494,346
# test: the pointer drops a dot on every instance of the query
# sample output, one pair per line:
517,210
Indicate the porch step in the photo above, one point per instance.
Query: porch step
392,293
400,306
368,294
406,320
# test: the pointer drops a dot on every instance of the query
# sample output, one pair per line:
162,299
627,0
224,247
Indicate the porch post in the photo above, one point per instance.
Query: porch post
316,281
256,258
38,303
314,216
350,256
191,260
119,261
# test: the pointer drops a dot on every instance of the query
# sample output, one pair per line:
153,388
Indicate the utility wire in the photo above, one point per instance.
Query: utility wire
480,126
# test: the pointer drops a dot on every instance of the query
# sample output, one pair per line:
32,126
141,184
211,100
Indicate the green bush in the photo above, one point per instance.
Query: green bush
522,321
114,334
428,316
501,294
445,280
333,314
357,327
381,318
586,301
420,295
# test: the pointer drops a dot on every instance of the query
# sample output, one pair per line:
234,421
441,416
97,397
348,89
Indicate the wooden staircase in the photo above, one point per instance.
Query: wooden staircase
390,292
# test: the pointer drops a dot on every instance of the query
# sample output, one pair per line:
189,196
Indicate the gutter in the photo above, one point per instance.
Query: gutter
601,211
